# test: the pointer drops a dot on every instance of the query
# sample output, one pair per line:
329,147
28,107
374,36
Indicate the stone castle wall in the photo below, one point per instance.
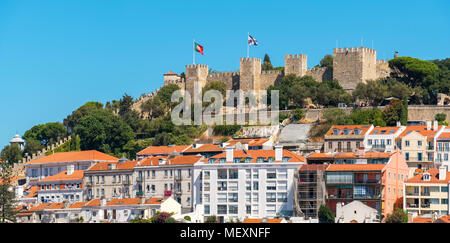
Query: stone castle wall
350,67
320,74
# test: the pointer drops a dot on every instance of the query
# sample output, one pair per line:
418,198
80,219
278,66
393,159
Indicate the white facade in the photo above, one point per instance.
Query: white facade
382,142
442,149
36,172
247,190
356,211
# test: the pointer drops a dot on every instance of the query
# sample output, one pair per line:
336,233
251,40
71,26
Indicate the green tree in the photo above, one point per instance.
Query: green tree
327,61
372,92
325,215
412,71
441,118
372,116
11,154
266,65
103,131
298,114
8,209
393,112
211,219
336,116
398,216
125,104
72,120
32,146
47,133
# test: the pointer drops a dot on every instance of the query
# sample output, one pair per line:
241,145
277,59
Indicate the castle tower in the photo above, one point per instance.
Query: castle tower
354,65
295,64
250,74
195,73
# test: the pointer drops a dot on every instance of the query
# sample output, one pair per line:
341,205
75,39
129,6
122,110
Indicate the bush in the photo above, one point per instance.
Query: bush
298,114
211,219
398,216
187,218
325,215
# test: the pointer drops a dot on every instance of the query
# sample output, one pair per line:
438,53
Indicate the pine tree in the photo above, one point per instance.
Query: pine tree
325,215
7,195
267,65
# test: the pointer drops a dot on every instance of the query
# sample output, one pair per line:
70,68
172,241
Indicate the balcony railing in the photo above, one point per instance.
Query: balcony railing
126,182
368,181
425,205
412,205
139,193
430,148
178,178
139,179
425,193
379,146
412,194
341,196
366,196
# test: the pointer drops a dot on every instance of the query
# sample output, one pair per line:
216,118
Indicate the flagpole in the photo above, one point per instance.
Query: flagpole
248,46
193,51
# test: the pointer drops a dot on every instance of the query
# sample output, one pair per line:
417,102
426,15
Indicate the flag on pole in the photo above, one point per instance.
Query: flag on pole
252,41
198,48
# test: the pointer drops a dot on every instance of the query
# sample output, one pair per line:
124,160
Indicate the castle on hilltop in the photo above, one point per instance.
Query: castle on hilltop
350,67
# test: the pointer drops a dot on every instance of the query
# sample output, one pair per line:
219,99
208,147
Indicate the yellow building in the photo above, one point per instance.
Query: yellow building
427,192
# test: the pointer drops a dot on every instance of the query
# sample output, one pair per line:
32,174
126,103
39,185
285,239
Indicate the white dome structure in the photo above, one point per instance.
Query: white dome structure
17,139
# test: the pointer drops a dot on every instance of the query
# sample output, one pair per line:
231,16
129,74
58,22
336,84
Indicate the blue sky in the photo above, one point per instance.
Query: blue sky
56,55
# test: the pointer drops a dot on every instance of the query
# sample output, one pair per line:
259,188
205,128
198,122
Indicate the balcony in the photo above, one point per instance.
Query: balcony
412,205
412,194
430,148
178,191
126,182
89,184
425,194
379,146
341,196
221,189
366,196
178,178
139,193
139,179
425,205
367,181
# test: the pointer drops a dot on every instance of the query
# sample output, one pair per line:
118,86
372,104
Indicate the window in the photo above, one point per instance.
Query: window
369,141
207,209
221,209
407,156
222,174
444,189
248,209
271,175
255,174
233,209
206,198
282,197
233,174
271,197
407,143
444,201
271,186
255,185
419,143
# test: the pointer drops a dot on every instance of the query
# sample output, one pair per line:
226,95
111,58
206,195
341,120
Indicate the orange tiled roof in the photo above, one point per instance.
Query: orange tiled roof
32,192
419,219
63,176
421,129
255,154
170,73
434,177
156,200
252,221
355,167
123,201
445,135
313,167
274,220
363,128
205,148
13,179
177,160
128,165
78,205
388,130
93,203
56,206
163,149
444,219
91,155
249,141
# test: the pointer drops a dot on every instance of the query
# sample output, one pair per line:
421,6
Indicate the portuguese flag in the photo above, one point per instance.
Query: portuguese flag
198,48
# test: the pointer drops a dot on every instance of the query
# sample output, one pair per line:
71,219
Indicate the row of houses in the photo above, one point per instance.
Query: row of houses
250,178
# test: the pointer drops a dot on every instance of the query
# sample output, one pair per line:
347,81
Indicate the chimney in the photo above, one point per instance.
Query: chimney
229,152
103,202
141,200
428,125
399,124
442,173
245,145
111,166
70,169
435,125
278,152
123,159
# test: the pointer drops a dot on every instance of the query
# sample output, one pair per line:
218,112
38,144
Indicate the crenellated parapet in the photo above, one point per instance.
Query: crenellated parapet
295,64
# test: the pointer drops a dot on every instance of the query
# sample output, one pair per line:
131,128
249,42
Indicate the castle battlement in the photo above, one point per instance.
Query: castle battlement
222,75
250,59
354,50
382,61
271,72
296,56
194,66
316,69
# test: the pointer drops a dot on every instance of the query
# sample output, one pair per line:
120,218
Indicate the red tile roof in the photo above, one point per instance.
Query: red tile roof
421,129
204,148
445,135
419,219
270,221
356,167
63,176
163,149
93,203
124,201
128,165
387,130
249,141
434,177
255,154
313,167
78,205
444,219
156,200
170,73
363,128
32,191
177,160
91,155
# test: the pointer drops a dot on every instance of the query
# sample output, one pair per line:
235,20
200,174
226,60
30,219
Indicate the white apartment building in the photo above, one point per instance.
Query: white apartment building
56,163
246,184
443,149
65,186
382,139
166,177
